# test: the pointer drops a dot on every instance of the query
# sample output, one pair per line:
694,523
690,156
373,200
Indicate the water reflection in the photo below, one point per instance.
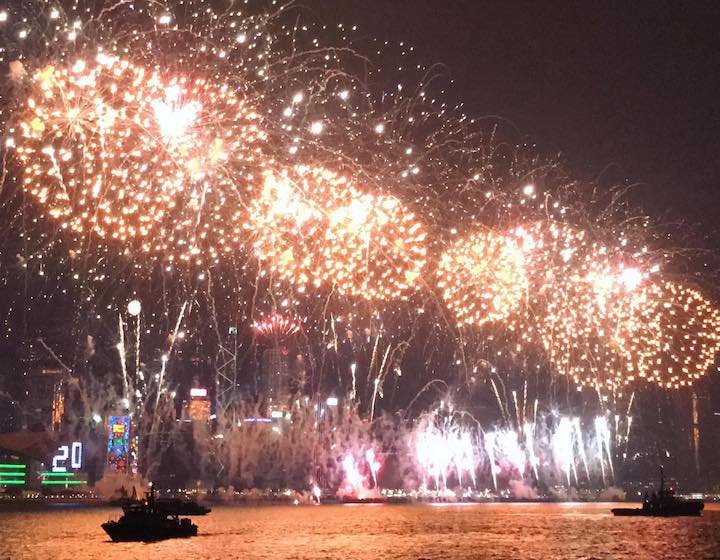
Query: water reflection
443,531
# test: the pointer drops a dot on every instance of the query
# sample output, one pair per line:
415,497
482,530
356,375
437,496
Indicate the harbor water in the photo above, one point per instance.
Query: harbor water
373,532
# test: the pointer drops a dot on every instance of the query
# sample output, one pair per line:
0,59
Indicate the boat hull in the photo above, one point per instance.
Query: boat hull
687,509
364,500
119,532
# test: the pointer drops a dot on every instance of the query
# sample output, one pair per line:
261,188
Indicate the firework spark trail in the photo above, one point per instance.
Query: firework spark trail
627,435
628,420
529,431
630,403
489,441
580,444
383,371
54,356
166,357
499,400
443,449
510,448
562,443
137,345
519,424
121,352
375,391
353,391
352,474
601,431
603,435
373,464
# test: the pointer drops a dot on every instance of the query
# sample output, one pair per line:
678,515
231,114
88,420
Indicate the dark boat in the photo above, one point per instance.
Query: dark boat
398,500
351,500
145,521
124,500
663,504
182,506
171,506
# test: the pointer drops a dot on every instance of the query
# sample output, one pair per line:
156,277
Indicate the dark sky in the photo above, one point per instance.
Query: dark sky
635,85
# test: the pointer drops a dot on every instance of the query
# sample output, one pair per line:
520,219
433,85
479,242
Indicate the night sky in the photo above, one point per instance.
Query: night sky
629,90
624,91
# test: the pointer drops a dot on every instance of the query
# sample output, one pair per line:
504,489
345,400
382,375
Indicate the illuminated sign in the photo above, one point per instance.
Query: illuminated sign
198,393
12,474
199,411
118,450
68,456
60,479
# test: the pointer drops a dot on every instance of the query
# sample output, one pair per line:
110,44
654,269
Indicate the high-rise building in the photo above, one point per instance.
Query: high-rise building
10,411
118,445
275,371
45,397
43,388
198,408
282,368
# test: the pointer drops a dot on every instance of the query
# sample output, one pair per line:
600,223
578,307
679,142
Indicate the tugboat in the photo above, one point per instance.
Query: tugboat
182,506
663,504
145,521
171,506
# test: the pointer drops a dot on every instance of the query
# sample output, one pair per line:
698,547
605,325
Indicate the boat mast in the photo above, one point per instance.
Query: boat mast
662,479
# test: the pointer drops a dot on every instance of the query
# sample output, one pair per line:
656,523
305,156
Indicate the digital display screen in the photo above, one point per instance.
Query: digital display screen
118,451
68,457
199,410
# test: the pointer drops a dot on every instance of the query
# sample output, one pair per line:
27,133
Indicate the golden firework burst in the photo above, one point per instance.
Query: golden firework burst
153,162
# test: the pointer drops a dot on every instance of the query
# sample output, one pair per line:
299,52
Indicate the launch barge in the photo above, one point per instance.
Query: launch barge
663,504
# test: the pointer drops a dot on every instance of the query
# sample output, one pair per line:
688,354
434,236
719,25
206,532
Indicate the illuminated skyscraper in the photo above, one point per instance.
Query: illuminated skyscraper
280,375
43,399
275,372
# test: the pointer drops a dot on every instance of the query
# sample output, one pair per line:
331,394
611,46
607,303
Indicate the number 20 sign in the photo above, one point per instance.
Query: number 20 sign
72,452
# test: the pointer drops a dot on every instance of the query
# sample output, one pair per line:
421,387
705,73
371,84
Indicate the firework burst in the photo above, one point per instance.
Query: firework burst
277,326
375,248
670,335
313,227
483,278
289,220
594,310
117,151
